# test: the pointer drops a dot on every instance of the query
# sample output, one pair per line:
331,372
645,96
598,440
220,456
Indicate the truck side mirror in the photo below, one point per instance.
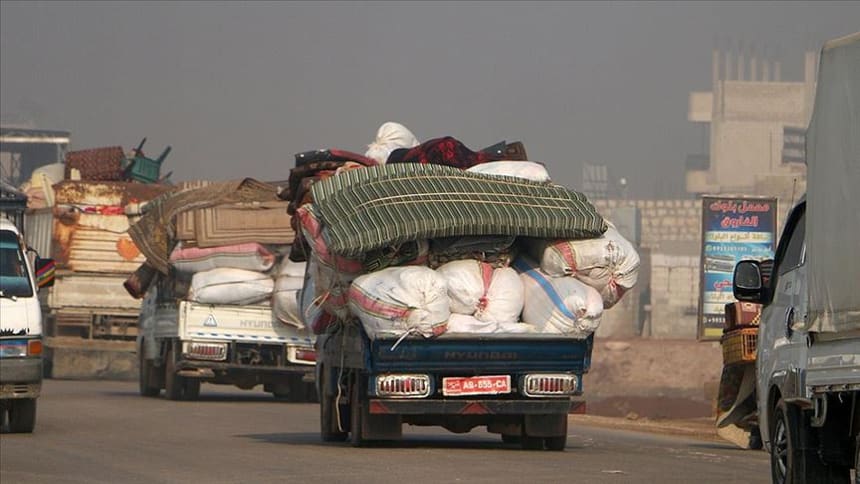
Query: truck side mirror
45,269
747,285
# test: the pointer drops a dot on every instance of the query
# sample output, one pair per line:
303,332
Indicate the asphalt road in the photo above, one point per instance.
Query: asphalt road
103,432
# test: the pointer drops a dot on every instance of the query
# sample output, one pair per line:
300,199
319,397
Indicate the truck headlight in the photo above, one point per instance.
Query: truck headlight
204,351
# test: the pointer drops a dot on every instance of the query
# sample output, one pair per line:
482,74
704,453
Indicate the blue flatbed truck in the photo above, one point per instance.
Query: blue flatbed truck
522,386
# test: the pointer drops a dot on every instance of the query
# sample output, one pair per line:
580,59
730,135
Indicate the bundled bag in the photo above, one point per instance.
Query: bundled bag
608,263
332,274
230,286
461,323
288,284
400,300
529,170
559,305
389,137
476,288
249,256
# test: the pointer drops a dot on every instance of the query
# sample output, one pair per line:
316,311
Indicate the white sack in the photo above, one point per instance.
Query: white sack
467,280
530,170
249,256
285,300
475,288
461,323
505,298
290,268
285,307
560,305
608,263
400,299
389,137
230,286
287,283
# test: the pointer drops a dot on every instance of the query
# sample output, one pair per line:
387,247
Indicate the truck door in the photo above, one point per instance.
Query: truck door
780,347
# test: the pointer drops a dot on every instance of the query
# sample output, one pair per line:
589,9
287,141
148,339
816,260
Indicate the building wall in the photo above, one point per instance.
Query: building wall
664,302
746,119
674,307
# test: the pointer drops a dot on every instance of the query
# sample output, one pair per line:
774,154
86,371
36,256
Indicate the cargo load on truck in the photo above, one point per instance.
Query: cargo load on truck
450,287
361,221
79,212
220,292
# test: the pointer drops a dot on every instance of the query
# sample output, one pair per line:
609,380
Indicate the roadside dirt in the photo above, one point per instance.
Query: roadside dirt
653,379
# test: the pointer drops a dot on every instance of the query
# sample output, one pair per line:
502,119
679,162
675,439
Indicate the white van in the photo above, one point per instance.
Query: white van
20,329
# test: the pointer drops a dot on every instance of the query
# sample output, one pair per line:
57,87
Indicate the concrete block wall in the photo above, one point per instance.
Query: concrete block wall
663,222
669,279
673,310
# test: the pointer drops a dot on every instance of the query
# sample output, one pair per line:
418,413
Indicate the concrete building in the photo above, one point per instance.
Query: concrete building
757,125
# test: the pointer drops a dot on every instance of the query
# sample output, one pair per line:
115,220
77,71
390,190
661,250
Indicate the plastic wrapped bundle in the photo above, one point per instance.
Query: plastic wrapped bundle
530,170
400,300
230,286
559,305
250,256
476,288
608,263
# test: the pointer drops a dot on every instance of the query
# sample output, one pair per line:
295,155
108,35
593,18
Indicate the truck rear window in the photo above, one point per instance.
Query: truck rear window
14,280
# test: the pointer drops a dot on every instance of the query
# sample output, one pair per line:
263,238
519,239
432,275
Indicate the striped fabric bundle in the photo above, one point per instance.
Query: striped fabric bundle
386,205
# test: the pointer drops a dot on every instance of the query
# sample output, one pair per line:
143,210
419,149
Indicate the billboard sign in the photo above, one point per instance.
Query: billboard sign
733,229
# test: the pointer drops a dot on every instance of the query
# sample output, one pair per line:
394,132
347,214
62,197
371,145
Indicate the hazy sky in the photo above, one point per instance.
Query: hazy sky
238,89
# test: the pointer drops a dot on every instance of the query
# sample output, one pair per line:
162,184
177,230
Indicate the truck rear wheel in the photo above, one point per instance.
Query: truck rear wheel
329,431
22,415
558,442
177,387
356,415
793,459
145,375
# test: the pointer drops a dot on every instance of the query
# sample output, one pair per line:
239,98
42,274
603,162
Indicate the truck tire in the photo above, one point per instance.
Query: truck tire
857,461
328,417
793,459
531,443
177,387
511,439
190,389
356,415
145,378
22,415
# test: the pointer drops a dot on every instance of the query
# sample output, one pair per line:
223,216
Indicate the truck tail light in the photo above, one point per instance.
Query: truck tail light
205,351
302,355
549,384
34,347
306,355
403,386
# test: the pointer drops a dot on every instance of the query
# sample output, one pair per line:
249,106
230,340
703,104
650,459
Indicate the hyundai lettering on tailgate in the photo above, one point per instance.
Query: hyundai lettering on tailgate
476,385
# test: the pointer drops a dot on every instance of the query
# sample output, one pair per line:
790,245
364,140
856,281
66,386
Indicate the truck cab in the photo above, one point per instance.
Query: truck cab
20,329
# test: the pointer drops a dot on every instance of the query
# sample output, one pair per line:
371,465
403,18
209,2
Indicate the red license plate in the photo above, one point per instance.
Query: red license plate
476,385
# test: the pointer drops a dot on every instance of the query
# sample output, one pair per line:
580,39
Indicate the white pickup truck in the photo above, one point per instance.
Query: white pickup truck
183,344
20,330
808,360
